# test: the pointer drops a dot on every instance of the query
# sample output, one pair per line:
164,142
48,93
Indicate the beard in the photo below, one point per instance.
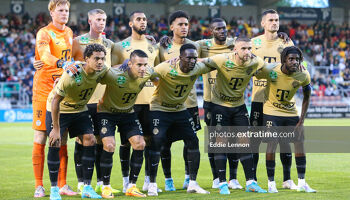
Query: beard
138,30
221,39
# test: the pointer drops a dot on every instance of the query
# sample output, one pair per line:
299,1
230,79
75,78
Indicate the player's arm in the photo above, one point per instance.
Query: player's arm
43,49
77,52
306,99
55,136
214,61
305,105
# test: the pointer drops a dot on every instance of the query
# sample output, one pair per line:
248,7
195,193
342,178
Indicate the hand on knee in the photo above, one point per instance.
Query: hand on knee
139,145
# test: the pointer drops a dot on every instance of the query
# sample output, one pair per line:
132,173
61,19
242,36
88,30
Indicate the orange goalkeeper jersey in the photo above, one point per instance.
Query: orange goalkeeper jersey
51,45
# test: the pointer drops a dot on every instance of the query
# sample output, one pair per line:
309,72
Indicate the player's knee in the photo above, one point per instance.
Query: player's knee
139,144
40,137
89,140
109,146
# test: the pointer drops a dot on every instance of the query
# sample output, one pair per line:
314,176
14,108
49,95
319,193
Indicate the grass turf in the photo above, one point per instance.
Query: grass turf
327,173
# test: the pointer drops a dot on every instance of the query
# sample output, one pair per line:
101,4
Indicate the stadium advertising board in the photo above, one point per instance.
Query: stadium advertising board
328,112
289,13
16,115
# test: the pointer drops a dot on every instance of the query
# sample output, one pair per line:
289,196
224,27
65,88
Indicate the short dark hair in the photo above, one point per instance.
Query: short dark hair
269,11
131,16
289,50
177,14
187,46
138,53
91,48
217,20
243,39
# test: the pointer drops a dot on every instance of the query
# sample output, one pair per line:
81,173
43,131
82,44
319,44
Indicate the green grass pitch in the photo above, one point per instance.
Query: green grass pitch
329,174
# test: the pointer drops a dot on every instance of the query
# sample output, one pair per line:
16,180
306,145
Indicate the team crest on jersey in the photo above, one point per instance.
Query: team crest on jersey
173,72
155,131
257,42
84,40
150,49
121,80
208,43
53,35
229,64
273,75
78,79
125,44
103,130
295,84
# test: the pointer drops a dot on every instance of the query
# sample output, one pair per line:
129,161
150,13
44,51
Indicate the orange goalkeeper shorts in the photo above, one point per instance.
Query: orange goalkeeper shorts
39,115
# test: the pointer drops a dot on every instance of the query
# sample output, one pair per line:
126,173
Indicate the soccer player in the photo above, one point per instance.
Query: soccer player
66,109
283,81
168,111
97,21
269,47
121,51
179,25
234,71
209,47
116,108
53,47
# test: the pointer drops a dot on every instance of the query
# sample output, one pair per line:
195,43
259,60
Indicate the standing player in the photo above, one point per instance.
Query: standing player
169,112
116,108
283,81
179,25
234,71
66,109
269,47
53,48
121,51
217,45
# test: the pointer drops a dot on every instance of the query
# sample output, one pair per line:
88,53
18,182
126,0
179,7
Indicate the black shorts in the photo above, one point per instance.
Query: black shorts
142,112
92,108
270,120
207,112
163,122
76,123
195,115
229,116
256,114
128,125
278,121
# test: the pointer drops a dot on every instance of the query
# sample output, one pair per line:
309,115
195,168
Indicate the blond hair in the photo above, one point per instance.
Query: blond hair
54,3
96,11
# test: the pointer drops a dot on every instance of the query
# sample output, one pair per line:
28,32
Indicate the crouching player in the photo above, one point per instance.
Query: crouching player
283,81
69,97
116,109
